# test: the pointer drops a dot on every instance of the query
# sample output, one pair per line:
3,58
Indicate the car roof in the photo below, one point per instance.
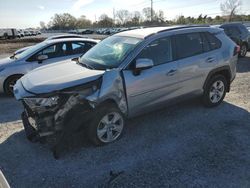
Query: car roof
71,39
231,24
66,36
145,32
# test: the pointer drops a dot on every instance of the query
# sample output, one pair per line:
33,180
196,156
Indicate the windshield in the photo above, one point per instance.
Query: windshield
30,50
110,52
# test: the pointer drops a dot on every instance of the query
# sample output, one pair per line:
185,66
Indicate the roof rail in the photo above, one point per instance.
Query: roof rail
184,27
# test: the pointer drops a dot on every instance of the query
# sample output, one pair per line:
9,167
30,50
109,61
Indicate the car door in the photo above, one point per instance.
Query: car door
195,58
154,86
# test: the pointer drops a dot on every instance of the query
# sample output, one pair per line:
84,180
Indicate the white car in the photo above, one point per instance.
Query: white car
51,38
44,53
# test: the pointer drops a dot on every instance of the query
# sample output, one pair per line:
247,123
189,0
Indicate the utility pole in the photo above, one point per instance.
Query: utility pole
151,10
114,16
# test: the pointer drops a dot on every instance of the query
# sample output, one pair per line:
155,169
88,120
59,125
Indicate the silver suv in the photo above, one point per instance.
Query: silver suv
127,74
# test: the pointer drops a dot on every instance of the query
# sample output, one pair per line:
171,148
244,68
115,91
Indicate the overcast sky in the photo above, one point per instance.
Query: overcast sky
28,13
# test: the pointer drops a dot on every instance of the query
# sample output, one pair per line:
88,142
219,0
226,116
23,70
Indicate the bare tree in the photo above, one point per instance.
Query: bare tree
63,21
123,16
83,22
105,21
230,8
159,16
147,13
42,25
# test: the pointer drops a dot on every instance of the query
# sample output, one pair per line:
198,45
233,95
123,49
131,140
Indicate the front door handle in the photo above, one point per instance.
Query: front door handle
171,72
210,60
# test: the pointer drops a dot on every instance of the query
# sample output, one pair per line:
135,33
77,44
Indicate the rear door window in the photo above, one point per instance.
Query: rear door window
80,47
232,31
188,45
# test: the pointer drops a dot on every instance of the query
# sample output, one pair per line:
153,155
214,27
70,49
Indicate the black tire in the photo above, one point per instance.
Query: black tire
243,50
97,116
9,83
206,99
5,36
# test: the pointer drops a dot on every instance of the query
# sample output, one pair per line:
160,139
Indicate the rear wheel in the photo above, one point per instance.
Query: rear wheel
9,84
243,50
215,91
107,125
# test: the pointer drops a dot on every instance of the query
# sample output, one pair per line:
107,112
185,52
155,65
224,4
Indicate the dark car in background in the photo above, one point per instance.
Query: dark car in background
239,34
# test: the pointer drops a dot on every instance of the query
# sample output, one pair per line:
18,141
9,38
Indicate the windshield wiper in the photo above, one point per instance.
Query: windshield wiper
13,56
85,65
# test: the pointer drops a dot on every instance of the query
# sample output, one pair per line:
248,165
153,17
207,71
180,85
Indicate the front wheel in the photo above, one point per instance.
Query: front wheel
215,91
107,125
9,84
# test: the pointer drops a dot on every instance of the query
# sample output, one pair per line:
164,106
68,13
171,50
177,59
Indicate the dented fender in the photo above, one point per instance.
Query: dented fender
112,88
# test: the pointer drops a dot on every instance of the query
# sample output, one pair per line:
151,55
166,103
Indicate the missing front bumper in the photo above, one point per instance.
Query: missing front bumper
31,133
31,130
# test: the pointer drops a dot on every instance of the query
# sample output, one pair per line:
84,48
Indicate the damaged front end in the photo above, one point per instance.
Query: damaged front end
68,110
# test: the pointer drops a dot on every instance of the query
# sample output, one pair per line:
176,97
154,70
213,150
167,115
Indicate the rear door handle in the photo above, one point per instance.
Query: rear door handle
171,72
210,60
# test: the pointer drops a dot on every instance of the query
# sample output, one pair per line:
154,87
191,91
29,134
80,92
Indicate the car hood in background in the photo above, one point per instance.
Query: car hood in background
57,77
21,50
6,61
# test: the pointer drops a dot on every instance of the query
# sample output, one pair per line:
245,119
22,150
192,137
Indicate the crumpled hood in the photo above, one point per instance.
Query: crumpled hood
57,77
6,61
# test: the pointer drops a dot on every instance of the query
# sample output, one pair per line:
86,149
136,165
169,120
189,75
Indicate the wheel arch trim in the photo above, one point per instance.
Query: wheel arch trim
217,71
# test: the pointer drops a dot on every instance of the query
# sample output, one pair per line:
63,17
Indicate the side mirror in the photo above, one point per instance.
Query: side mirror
41,58
142,64
76,59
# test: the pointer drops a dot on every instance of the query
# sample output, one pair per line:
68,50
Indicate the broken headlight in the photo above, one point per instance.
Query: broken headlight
42,102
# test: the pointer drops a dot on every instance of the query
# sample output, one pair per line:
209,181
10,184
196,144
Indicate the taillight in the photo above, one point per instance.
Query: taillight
236,50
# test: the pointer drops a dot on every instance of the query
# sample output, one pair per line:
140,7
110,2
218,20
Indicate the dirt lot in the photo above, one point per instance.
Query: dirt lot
185,145
9,46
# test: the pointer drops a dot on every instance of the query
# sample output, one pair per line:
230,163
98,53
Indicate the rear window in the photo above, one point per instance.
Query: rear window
188,45
243,29
231,30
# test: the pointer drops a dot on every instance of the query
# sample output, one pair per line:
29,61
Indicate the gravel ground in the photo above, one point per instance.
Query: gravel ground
185,145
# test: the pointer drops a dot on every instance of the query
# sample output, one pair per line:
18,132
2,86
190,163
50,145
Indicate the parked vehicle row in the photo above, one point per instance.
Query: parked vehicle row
102,31
8,33
24,33
11,33
126,74
239,34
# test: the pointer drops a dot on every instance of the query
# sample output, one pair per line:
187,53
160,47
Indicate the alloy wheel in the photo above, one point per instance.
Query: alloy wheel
243,50
110,127
217,91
